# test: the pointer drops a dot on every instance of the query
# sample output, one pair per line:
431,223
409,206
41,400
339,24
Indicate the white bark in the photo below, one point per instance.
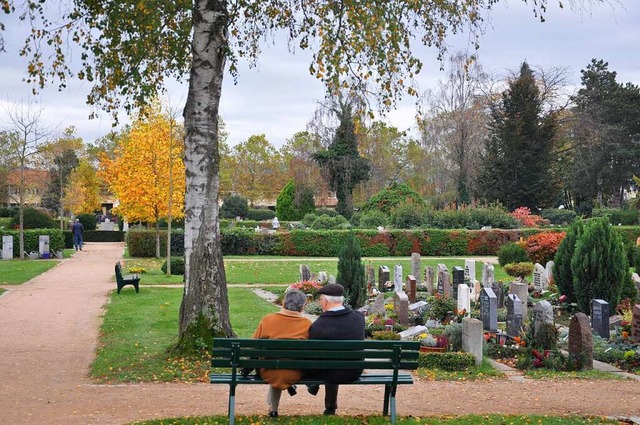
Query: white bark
205,290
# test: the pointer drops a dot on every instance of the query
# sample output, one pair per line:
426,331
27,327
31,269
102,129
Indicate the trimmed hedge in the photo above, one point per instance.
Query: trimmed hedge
32,240
327,243
450,361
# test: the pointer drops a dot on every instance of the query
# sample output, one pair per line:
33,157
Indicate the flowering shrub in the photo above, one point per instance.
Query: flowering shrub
137,270
542,247
306,286
524,216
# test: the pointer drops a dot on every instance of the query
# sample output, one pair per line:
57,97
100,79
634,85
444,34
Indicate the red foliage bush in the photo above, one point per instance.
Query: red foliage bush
542,247
524,216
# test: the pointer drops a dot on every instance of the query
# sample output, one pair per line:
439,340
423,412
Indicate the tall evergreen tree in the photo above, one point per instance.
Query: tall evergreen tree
341,162
606,136
562,275
516,164
351,272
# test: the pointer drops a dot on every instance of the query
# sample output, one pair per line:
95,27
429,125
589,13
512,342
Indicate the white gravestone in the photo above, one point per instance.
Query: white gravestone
7,247
397,277
464,298
469,271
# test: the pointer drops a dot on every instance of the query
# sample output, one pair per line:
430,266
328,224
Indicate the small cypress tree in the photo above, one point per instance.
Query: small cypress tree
562,275
351,272
294,202
599,265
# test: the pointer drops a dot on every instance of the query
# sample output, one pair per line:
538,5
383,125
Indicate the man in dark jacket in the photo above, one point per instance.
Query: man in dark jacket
336,322
78,232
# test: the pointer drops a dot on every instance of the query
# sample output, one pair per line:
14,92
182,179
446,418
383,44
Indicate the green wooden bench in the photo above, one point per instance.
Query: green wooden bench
129,279
387,356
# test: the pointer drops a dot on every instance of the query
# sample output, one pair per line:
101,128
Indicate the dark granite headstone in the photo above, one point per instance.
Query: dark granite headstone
444,281
514,315
581,341
401,307
458,279
600,317
498,289
383,277
489,310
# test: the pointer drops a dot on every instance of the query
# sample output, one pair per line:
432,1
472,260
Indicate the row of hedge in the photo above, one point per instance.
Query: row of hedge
32,240
95,236
327,243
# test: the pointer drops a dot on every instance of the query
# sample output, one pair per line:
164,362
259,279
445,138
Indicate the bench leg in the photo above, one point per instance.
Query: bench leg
135,285
232,405
385,406
393,408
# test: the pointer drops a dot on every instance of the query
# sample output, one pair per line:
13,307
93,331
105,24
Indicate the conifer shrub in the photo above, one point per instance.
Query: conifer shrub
351,272
177,266
599,265
234,206
512,253
294,202
260,214
88,221
519,270
33,219
562,275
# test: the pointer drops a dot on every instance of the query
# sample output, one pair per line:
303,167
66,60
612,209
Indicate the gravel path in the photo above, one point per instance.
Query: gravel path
48,333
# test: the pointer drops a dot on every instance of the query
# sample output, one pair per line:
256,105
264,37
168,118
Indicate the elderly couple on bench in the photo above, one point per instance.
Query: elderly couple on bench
337,322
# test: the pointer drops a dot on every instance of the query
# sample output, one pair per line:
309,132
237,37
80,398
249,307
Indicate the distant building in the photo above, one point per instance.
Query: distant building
35,185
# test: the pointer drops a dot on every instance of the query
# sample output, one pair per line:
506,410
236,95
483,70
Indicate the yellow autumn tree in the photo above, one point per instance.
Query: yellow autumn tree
82,192
147,173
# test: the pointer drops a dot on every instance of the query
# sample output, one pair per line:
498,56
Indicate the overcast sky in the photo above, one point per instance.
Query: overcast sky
279,97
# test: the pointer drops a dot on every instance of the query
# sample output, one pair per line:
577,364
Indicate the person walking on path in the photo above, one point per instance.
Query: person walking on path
78,232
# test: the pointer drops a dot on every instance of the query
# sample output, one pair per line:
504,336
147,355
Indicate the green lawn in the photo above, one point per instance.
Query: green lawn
285,270
582,374
139,329
483,372
15,272
379,420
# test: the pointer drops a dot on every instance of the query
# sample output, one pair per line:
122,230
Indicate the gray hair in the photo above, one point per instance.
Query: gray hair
334,299
294,300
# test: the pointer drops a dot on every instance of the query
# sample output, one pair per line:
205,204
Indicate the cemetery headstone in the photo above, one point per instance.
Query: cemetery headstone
539,277
429,278
331,279
305,273
412,287
444,282
43,246
383,277
522,291
397,277
469,271
542,315
549,269
636,279
489,310
464,298
322,277
7,247
488,275
635,323
377,308
415,266
412,332
401,307
458,279
514,315
475,294
600,317
418,307
498,289
581,341
371,277
472,337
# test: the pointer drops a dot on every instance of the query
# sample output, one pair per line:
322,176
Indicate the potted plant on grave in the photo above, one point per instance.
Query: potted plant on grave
434,344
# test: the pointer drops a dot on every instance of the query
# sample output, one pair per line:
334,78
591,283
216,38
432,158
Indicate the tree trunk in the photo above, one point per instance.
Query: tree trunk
21,210
204,311
157,235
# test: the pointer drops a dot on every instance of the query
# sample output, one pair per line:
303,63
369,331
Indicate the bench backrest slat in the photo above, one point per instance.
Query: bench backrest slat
317,354
118,272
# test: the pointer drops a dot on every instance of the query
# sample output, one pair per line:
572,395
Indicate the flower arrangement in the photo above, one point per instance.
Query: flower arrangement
385,335
306,286
428,341
137,270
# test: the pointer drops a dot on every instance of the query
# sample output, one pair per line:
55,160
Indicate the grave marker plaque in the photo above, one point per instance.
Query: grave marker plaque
498,289
581,341
514,315
412,287
7,247
472,337
305,273
489,310
635,323
522,291
469,271
383,277
397,277
458,279
600,317
415,266
464,298
401,307
444,282
542,315
429,278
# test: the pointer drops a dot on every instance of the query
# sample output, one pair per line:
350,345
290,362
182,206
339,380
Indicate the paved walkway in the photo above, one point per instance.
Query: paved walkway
49,330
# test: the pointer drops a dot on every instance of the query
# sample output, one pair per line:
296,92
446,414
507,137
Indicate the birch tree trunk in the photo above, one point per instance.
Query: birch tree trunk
204,311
